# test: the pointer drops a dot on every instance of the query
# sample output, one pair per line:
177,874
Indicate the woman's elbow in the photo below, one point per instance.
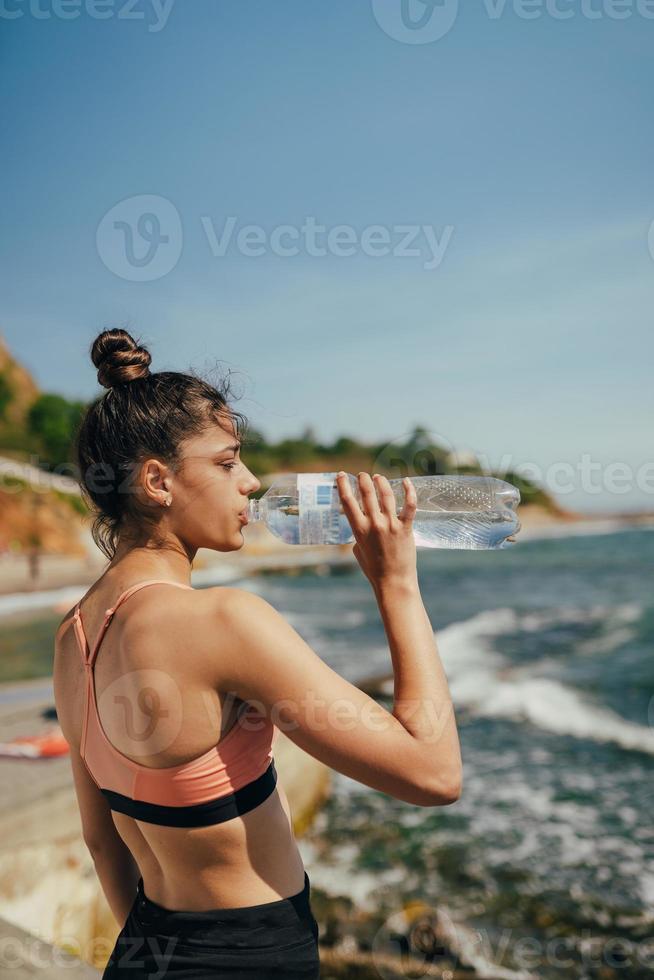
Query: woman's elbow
444,793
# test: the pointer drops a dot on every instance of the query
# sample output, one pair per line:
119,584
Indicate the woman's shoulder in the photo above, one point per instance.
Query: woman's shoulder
195,617
215,613
227,598
218,604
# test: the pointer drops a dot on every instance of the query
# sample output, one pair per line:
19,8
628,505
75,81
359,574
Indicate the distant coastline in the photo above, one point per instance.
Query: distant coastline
263,551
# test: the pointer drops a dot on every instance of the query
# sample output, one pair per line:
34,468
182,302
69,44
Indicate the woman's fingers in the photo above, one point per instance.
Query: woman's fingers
368,495
384,545
377,498
410,501
387,501
350,503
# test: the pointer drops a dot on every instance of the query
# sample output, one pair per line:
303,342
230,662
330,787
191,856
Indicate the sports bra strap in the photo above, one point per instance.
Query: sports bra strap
89,658
140,585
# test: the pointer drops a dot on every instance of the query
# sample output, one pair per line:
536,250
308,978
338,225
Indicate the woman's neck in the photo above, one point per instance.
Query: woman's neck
150,561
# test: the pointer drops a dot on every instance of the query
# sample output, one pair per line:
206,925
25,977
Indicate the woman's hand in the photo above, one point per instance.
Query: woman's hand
385,546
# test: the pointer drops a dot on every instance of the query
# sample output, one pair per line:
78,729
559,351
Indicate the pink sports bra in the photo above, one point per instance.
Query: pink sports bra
229,779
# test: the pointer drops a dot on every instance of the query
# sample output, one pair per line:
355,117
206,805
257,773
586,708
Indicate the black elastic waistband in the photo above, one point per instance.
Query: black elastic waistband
221,925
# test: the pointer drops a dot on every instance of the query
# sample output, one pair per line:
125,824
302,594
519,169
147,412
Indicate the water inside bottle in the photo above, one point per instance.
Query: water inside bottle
464,529
461,529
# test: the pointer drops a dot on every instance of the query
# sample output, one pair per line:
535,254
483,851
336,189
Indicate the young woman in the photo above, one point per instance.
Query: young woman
170,697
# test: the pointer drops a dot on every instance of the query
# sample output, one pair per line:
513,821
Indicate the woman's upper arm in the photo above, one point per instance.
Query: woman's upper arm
264,660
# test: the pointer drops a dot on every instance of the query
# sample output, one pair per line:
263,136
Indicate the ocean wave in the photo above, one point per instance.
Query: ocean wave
617,624
626,612
340,875
486,683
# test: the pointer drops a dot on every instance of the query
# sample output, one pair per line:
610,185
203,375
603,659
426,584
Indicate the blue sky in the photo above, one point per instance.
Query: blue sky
523,146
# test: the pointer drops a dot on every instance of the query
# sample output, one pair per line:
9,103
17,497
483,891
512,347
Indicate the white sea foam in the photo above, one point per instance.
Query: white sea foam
612,640
626,612
486,683
646,885
337,877
617,623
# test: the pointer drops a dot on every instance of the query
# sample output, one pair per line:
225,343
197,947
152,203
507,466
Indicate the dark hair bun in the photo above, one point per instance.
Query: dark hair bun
119,359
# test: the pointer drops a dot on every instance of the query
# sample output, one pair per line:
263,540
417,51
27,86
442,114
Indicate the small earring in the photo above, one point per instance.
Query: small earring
169,501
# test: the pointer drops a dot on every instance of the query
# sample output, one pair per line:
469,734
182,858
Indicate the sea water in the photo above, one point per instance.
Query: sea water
548,649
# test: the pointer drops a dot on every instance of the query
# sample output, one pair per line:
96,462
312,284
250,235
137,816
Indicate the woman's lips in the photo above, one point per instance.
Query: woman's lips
243,517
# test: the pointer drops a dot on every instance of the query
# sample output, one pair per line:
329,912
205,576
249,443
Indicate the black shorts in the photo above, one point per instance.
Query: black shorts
257,942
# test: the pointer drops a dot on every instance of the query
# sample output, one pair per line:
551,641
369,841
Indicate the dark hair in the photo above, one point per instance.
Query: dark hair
140,415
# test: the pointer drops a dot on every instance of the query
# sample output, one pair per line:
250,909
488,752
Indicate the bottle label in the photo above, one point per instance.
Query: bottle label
319,507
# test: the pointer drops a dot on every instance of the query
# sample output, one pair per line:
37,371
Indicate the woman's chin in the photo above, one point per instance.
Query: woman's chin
239,541
235,544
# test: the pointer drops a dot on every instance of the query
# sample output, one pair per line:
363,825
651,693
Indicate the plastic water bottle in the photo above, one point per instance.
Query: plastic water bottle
465,512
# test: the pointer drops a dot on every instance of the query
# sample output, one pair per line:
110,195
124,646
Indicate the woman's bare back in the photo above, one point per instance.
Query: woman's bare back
247,860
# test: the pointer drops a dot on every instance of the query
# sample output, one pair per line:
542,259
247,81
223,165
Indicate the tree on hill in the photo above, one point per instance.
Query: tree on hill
18,390
6,394
345,446
54,420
